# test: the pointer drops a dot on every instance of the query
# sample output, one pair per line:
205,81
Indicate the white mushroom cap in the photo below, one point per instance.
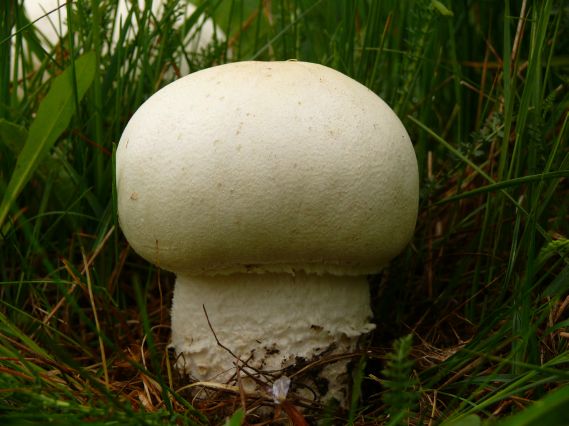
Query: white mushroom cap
267,167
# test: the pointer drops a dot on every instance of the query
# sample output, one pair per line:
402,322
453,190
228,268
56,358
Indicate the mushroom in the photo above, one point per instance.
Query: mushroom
271,190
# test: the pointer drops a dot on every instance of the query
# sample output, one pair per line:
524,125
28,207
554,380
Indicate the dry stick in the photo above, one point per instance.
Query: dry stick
245,363
242,393
246,24
211,385
59,304
329,360
433,408
430,235
482,86
553,318
470,366
113,279
151,387
215,335
293,414
147,380
98,249
14,373
239,389
97,325
161,296
519,32
560,310
76,279
297,419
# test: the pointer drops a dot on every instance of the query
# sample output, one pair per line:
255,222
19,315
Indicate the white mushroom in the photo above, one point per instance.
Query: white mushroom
271,189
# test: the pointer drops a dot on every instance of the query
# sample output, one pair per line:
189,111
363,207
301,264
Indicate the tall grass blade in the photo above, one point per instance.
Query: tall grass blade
551,410
236,419
53,117
12,135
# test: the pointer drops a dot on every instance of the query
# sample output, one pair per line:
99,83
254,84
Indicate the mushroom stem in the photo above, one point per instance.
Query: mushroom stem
269,321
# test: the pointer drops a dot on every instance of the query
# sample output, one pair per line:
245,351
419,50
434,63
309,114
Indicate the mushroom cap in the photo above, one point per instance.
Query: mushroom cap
266,167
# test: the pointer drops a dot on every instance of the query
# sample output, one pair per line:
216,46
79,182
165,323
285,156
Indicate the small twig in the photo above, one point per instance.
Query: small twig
519,32
97,324
559,311
293,414
242,395
210,385
325,360
239,360
76,280
433,408
98,249
215,336
59,304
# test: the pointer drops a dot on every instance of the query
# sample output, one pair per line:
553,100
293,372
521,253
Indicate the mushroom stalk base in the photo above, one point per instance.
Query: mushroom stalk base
269,322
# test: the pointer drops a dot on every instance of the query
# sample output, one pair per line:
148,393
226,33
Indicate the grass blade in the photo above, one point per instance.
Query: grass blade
12,135
53,117
551,410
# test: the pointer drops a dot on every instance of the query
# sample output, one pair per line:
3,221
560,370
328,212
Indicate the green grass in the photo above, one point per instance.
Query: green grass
481,86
